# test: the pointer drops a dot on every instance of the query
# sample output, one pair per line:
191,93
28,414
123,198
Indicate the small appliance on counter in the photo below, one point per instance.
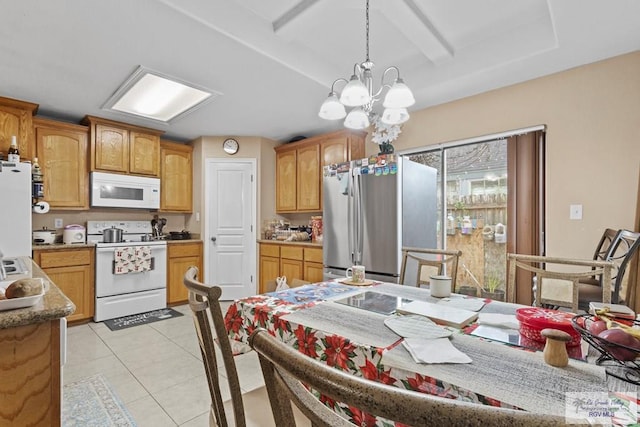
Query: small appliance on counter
44,236
74,233
179,235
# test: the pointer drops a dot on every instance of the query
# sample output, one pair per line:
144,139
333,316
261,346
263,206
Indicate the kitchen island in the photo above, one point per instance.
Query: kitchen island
30,358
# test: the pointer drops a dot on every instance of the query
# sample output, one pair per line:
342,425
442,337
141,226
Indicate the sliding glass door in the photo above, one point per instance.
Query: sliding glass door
475,207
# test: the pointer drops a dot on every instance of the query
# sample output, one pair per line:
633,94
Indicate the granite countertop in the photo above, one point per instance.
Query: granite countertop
62,246
284,242
171,242
54,304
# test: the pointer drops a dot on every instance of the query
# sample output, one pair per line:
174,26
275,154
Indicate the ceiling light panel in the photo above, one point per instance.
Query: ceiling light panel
159,97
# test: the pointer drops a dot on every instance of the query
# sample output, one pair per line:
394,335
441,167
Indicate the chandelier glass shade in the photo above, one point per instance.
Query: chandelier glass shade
358,93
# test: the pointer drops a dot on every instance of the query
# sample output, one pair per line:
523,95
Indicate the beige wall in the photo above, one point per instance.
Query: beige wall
592,114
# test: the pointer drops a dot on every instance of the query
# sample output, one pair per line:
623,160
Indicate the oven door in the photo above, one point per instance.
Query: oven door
109,283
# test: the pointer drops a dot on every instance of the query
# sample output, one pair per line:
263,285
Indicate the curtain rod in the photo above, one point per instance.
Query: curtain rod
473,140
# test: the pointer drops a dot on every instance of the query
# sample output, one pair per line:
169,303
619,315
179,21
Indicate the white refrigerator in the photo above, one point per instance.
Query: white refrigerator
15,211
371,210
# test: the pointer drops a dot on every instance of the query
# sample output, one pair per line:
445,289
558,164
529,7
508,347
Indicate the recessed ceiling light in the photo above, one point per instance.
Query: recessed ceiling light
156,96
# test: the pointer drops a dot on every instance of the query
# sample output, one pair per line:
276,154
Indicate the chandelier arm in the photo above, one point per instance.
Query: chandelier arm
393,67
336,81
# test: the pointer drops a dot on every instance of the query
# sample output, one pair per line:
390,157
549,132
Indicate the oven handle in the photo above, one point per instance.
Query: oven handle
151,268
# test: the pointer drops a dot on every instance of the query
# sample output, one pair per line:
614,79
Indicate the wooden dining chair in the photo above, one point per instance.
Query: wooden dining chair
285,370
204,301
427,262
622,250
557,281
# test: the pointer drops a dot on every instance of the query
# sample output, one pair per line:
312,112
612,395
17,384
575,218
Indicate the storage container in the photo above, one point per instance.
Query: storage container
535,319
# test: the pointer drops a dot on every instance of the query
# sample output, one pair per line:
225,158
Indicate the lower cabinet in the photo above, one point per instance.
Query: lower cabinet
181,256
72,270
31,375
303,262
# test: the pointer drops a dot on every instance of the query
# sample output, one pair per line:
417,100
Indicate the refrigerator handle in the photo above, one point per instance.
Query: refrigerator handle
358,220
350,216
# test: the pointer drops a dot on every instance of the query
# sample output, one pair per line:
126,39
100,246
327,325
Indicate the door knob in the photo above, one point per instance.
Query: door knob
213,239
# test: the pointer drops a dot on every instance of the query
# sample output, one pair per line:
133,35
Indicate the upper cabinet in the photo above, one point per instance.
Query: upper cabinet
299,168
123,148
176,177
16,119
62,152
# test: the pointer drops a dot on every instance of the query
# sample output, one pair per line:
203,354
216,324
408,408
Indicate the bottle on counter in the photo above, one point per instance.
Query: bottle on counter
13,153
37,179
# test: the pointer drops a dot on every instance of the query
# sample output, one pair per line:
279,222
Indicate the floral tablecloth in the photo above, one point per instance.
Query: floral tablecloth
270,310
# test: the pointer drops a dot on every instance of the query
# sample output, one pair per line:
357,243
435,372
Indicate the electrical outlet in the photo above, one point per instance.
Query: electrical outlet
575,212
57,223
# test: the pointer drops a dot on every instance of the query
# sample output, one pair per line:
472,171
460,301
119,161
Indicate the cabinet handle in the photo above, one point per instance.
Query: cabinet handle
213,239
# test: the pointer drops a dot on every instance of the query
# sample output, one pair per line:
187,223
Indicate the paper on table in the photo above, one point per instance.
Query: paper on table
416,326
473,304
439,350
507,321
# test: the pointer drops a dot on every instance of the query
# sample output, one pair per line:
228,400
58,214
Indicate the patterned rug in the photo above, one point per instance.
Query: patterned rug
91,402
141,318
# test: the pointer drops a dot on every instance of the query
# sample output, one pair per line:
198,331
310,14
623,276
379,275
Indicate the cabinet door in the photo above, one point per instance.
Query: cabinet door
269,270
308,177
62,154
286,181
144,153
176,177
313,272
334,150
77,284
16,120
291,269
181,256
112,148
176,291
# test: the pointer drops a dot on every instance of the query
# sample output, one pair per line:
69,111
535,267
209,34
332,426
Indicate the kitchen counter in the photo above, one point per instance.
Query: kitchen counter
284,242
61,246
54,304
173,242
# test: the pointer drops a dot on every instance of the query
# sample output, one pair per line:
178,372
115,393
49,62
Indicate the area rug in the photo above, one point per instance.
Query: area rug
141,318
92,403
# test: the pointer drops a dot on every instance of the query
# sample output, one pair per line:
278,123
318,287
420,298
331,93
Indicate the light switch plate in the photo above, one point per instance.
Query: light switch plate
575,211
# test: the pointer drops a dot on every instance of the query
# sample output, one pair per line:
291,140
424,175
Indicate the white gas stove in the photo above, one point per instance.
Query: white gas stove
131,275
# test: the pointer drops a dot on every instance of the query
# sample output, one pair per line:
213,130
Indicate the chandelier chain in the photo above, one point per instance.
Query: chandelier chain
367,30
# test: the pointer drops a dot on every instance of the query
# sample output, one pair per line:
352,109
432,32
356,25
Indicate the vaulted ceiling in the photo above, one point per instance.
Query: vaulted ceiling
273,62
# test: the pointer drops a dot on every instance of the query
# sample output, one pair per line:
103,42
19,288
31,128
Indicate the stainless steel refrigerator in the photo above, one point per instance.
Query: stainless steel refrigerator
15,214
370,211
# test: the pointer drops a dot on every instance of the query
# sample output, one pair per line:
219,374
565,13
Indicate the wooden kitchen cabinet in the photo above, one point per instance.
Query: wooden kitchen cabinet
342,146
62,151
299,168
313,270
30,389
181,256
16,119
299,261
72,270
123,148
176,177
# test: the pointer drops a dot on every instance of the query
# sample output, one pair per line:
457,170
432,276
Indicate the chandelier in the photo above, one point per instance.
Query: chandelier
358,93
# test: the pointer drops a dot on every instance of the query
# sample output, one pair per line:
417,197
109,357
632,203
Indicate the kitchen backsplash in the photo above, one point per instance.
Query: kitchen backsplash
175,222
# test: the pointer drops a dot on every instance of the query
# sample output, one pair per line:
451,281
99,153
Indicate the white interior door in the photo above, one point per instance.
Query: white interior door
231,240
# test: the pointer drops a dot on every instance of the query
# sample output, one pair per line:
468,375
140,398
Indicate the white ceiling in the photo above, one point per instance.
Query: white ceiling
274,61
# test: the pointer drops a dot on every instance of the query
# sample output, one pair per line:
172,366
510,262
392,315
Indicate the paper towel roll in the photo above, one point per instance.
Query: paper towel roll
41,207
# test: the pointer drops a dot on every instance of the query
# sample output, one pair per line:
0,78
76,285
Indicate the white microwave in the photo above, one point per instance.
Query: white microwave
124,191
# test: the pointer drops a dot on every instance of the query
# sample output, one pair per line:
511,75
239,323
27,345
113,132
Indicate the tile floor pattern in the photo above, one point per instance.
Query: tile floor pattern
156,370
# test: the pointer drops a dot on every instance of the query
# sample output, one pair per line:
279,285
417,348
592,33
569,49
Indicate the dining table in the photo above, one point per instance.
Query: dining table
317,320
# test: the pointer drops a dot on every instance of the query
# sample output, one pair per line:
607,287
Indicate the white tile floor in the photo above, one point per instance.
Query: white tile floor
156,370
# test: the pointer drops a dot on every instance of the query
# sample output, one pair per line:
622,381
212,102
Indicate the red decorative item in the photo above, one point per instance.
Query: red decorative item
535,319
